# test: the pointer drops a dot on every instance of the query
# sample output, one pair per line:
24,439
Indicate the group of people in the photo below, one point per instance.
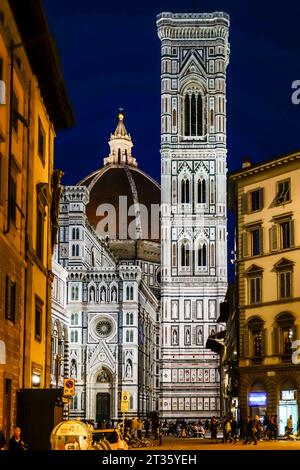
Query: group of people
15,443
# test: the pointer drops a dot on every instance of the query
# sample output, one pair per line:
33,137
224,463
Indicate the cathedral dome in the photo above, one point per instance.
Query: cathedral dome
123,200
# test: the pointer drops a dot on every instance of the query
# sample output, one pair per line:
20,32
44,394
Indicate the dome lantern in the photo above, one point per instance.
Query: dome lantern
120,145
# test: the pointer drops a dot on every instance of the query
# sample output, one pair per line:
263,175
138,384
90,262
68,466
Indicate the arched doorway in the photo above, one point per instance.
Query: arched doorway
103,396
287,405
257,400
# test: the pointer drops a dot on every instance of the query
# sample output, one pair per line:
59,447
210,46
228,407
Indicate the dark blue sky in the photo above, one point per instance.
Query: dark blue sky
110,56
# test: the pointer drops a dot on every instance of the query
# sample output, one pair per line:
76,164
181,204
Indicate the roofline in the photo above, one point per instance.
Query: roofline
31,21
264,165
105,168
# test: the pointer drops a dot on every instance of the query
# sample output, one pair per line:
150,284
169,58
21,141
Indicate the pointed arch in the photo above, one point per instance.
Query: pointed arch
202,255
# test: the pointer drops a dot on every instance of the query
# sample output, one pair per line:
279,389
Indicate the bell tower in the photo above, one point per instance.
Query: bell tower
194,57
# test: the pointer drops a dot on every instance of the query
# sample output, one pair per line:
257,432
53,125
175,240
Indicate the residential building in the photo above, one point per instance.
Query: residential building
266,199
34,106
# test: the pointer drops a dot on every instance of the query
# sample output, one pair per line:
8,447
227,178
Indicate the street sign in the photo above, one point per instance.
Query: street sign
69,387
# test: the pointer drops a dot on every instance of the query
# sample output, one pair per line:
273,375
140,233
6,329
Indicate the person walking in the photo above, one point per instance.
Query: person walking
213,428
16,443
147,427
139,428
251,431
234,429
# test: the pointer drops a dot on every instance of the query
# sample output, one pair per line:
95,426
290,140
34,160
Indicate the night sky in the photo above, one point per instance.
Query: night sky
110,56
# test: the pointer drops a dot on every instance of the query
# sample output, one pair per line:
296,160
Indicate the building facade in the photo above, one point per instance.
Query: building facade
112,286
266,200
30,116
59,325
194,57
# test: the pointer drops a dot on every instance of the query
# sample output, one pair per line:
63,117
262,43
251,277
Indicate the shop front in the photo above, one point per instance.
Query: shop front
287,407
257,401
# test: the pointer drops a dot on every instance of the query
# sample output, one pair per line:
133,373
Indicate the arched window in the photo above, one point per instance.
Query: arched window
131,319
75,250
202,255
127,293
127,336
74,336
131,293
127,319
185,255
185,191
131,336
201,191
193,114
256,336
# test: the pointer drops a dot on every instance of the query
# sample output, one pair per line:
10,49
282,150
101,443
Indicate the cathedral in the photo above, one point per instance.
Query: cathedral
144,267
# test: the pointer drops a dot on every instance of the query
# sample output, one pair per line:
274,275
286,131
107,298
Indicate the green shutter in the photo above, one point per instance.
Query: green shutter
244,203
276,340
245,244
292,233
261,198
261,240
273,238
246,342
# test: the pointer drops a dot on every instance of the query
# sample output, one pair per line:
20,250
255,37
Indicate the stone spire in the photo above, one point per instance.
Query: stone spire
120,146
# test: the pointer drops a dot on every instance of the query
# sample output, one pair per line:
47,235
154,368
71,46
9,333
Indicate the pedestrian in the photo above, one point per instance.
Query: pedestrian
213,428
251,431
2,441
16,443
234,429
147,426
139,428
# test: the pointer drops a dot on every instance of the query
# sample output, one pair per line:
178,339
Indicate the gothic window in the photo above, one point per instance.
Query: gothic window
74,336
201,191
185,254
75,234
74,293
193,114
185,191
202,255
129,336
75,250
74,319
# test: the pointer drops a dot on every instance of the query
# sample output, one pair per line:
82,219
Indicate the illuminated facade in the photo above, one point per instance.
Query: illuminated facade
194,57
30,115
266,200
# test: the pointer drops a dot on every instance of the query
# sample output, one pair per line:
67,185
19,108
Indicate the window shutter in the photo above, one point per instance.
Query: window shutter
292,233
7,297
273,238
246,342
244,203
245,244
261,241
261,198
264,342
276,340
